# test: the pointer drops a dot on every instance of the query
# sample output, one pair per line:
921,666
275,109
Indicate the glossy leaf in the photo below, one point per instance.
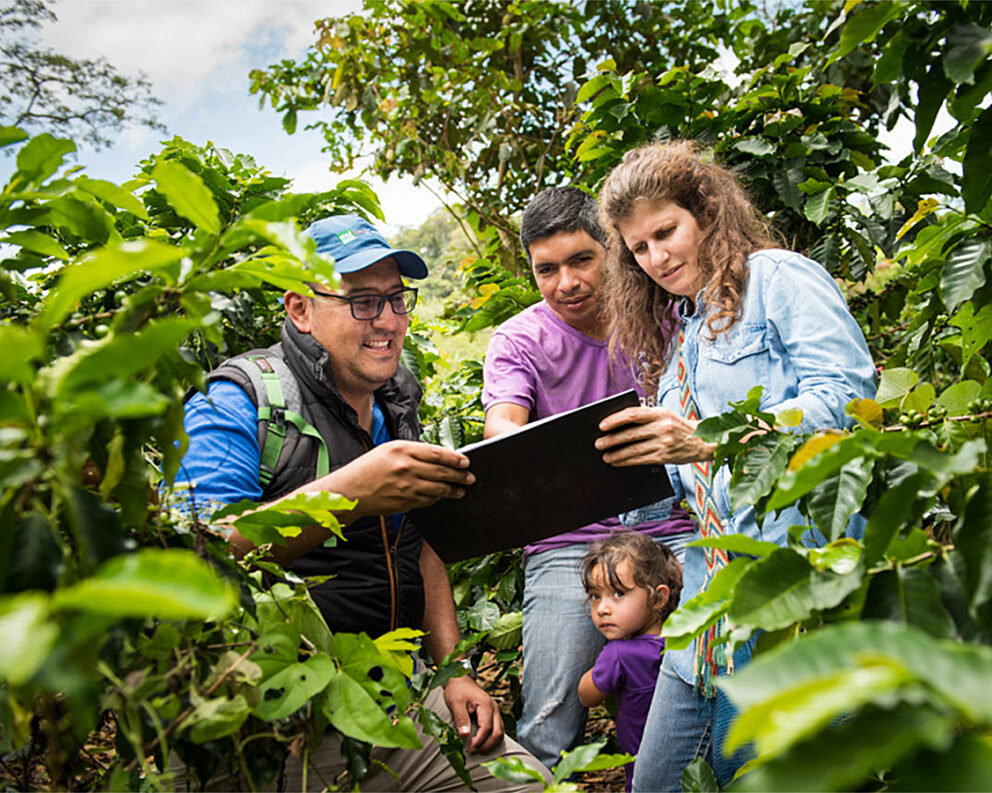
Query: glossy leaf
693,617
834,501
102,268
976,184
783,589
765,460
507,632
964,271
864,26
698,777
39,243
168,584
967,46
894,385
737,543
114,195
976,329
355,713
21,346
187,195
952,672
973,540
215,718
513,769
850,754
292,687
41,157
898,508
29,635
911,595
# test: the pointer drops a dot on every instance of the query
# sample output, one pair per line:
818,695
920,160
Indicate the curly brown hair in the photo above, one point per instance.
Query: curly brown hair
641,315
652,563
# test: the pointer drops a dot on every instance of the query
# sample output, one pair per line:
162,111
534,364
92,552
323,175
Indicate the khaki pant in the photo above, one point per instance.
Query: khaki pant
417,769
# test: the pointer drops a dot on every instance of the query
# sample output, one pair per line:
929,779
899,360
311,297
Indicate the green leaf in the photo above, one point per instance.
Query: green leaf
956,398
284,518
847,756
41,156
800,711
837,498
911,595
507,632
765,460
783,589
292,687
355,713
576,760
967,46
513,769
817,206
976,183
120,356
167,584
698,777
964,271
954,675
702,611
113,195
894,385
215,718
758,147
83,218
10,135
187,195
28,636
920,398
932,92
898,508
864,25
965,766
101,269
21,346
976,329
737,543
973,541
37,242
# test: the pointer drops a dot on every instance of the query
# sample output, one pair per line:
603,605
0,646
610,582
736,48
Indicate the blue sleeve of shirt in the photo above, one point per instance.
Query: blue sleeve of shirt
223,460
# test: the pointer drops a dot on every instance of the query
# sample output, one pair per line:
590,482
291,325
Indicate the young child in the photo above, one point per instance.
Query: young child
633,584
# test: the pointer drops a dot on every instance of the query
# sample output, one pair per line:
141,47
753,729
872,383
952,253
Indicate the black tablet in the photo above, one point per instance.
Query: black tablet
544,479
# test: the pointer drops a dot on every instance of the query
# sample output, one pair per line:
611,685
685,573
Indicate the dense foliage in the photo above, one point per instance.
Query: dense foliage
124,616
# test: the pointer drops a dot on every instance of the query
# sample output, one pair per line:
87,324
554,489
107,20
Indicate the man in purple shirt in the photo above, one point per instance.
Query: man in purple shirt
550,358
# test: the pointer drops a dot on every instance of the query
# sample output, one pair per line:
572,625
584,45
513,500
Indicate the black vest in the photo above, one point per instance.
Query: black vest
377,584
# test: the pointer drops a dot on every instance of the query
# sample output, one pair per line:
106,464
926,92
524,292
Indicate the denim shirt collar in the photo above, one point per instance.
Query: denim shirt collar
688,310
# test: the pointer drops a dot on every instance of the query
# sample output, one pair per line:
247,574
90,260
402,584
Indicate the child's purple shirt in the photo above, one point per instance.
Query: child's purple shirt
629,668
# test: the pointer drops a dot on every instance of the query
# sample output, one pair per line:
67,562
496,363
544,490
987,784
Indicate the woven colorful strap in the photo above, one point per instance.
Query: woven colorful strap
708,656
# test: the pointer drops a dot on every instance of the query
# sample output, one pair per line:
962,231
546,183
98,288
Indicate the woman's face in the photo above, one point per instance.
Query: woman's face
664,239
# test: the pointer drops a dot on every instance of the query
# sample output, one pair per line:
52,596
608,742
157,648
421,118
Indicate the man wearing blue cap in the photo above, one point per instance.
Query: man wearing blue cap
356,434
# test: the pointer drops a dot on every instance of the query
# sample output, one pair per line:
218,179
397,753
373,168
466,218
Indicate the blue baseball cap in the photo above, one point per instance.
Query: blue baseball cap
355,244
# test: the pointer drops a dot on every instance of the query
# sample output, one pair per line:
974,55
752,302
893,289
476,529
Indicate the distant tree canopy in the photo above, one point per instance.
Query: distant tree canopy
43,90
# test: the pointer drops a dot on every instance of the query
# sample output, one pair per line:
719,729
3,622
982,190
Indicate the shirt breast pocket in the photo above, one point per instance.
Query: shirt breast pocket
734,363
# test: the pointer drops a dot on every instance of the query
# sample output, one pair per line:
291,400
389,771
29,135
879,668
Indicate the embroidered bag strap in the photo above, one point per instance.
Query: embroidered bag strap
709,658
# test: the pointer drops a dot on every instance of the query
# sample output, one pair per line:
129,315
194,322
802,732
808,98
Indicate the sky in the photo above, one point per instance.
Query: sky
197,55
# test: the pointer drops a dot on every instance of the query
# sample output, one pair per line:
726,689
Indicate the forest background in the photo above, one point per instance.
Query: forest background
130,632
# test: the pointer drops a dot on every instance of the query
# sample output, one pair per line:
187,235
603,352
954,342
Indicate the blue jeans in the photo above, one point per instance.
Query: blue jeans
560,645
683,725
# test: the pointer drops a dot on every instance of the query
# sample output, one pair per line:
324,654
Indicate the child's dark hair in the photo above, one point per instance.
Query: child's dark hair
652,563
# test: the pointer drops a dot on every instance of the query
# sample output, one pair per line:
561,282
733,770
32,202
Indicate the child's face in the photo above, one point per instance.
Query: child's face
619,613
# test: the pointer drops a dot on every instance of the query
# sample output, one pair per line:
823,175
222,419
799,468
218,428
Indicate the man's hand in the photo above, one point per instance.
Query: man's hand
465,699
651,435
399,476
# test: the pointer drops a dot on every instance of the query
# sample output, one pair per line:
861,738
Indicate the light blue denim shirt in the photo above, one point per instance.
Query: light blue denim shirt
796,338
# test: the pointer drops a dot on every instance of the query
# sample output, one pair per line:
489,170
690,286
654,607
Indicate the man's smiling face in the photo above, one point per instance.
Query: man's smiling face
364,354
568,267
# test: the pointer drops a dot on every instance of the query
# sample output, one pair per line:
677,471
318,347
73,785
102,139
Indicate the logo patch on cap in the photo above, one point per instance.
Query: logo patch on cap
346,236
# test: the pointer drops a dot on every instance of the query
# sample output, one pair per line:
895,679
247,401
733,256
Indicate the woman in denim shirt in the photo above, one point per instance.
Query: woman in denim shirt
697,289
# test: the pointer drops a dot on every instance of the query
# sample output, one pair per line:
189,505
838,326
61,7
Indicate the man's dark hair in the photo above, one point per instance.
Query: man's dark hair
557,209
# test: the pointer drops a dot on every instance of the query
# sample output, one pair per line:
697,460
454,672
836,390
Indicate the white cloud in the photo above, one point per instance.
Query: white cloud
183,44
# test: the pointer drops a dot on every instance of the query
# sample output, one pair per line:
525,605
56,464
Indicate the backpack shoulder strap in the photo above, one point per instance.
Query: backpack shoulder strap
280,408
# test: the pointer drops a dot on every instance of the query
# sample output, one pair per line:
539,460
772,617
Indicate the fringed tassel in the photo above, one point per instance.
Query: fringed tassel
710,658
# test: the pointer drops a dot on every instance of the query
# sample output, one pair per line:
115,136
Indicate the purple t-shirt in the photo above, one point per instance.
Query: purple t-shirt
629,668
540,362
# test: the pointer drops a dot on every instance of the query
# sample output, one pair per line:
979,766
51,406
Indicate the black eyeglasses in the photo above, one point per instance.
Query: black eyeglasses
370,306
